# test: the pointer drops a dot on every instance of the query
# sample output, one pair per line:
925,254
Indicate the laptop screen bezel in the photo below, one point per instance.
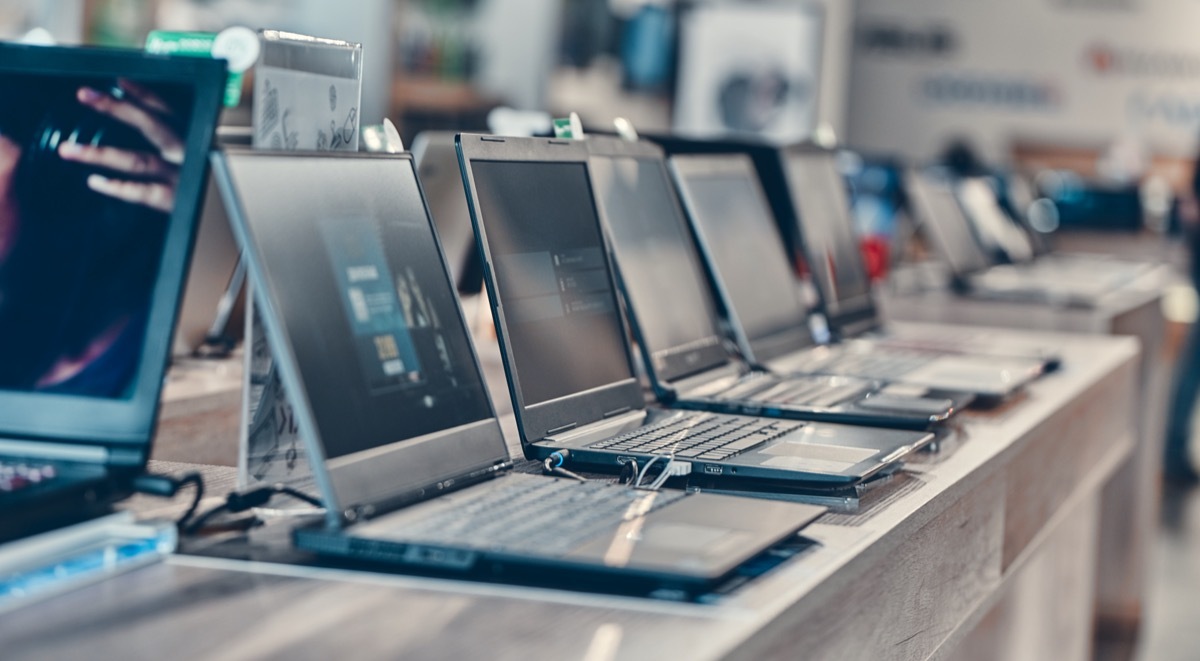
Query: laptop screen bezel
536,421
390,469
763,348
842,313
126,424
699,359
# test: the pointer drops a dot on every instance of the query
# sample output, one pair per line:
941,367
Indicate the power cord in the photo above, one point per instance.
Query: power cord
237,502
553,465
167,487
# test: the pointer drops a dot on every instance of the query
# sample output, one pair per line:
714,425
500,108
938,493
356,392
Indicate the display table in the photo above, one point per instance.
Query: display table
990,551
1131,499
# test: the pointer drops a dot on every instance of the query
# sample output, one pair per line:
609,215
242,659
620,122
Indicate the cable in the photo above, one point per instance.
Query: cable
553,465
167,487
196,479
241,501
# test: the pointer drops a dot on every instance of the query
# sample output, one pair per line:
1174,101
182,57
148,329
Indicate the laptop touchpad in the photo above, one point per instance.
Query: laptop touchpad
815,456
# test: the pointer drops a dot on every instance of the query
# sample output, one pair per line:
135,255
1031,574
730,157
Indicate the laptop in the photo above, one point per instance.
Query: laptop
92,264
388,394
997,230
566,352
938,205
830,250
437,170
732,222
675,318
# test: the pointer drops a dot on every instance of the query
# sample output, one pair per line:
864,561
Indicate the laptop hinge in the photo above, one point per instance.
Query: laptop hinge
426,492
125,457
616,412
566,427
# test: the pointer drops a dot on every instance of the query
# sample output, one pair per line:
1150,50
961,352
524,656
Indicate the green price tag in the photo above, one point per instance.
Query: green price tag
194,44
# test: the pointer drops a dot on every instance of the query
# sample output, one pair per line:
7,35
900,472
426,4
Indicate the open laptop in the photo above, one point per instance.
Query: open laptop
567,356
820,212
90,281
996,228
437,170
388,394
936,203
732,222
676,321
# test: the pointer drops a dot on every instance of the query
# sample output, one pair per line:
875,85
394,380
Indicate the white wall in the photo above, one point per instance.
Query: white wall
1069,72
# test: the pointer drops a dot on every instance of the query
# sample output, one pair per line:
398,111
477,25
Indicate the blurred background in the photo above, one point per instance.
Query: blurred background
1106,88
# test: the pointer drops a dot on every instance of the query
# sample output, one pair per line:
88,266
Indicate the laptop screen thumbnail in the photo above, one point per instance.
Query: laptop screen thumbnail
552,277
661,270
364,296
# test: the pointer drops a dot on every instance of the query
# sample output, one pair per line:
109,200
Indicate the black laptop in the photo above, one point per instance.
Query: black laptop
388,394
566,351
741,244
103,156
676,321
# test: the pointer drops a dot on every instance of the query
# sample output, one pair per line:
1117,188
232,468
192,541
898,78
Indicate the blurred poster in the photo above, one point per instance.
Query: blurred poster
1076,75
749,69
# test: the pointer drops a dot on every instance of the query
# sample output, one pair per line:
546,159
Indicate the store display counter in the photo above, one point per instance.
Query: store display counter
991,545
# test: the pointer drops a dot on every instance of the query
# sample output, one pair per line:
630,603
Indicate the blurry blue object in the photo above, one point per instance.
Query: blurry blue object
875,194
646,48
1095,207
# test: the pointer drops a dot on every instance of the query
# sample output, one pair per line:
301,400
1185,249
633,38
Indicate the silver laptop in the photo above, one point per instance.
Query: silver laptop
390,399
938,206
739,238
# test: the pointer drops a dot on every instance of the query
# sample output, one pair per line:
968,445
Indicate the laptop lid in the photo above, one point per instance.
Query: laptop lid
826,227
103,156
357,303
551,287
981,206
739,239
441,181
662,275
935,205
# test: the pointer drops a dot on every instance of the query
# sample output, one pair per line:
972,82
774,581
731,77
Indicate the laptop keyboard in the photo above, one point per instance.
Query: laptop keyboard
889,364
700,436
532,514
811,392
16,476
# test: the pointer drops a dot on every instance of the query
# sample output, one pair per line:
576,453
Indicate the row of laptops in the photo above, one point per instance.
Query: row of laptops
993,254
406,447
370,341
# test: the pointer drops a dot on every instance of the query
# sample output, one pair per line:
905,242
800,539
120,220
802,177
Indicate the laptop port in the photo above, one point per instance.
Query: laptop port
713,470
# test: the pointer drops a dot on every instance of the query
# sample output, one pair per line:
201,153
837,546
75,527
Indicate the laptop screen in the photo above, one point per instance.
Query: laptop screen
552,276
830,243
88,173
102,160
982,208
363,295
935,204
661,270
735,224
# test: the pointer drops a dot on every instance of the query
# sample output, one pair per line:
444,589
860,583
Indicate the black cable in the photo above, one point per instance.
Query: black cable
167,487
237,502
196,479
553,465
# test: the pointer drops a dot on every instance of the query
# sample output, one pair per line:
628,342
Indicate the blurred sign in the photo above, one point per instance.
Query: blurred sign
1080,73
749,69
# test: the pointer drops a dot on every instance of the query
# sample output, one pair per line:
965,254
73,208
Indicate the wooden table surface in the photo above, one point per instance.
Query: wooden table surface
916,577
